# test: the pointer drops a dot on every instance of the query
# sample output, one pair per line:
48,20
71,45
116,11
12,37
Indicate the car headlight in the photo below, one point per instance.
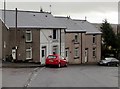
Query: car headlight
104,62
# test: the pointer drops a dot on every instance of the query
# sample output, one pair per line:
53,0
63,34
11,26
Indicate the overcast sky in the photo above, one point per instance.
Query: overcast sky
95,12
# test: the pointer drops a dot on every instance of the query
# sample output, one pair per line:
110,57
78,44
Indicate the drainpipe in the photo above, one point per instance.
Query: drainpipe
81,48
16,31
60,41
4,10
4,53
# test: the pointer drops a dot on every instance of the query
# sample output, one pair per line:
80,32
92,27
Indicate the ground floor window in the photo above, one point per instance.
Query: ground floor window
76,52
29,53
55,49
66,53
43,53
94,52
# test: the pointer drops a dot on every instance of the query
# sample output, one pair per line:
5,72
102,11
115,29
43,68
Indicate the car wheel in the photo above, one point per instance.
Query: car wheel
59,65
108,64
66,65
46,65
117,64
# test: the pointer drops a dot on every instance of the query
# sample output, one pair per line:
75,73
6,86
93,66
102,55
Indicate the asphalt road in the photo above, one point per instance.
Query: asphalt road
71,76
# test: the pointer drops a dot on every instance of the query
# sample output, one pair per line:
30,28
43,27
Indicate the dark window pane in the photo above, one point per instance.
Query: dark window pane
54,34
43,53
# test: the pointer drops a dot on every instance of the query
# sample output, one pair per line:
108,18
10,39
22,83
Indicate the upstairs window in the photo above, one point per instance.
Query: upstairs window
76,52
94,52
76,37
54,34
94,39
28,36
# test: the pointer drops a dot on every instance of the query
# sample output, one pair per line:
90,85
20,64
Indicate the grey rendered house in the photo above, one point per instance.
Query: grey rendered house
37,35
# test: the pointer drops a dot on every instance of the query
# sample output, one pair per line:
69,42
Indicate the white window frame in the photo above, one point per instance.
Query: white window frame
76,52
29,50
29,32
94,51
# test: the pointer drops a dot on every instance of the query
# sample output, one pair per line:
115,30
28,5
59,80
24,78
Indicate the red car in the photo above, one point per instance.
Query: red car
56,60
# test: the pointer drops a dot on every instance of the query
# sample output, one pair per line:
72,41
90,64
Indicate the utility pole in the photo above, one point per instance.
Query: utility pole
4,10
50,8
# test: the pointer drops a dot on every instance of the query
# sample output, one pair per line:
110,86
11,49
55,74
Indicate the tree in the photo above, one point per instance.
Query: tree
118,46
109,38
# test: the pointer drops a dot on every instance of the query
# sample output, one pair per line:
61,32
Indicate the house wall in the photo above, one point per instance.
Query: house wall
71,45
90,45
0,39
40,38
87,43
5,41
22,44
83,47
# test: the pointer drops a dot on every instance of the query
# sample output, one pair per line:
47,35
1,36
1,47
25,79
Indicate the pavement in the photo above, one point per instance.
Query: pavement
71,76
20,65
5,64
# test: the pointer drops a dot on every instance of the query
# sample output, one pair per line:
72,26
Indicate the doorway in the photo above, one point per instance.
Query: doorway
86,55
66,54
55,49
43,54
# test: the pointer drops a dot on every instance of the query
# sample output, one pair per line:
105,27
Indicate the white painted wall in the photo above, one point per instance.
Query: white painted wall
45,40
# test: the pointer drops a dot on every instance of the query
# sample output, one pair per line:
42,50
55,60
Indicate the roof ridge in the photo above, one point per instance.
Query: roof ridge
61,17
78,20
28,11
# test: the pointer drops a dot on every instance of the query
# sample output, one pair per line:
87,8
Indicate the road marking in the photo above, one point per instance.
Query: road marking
32,76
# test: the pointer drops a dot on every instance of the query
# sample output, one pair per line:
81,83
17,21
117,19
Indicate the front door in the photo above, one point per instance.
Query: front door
14,54
55,49
66,54
86,55
43,55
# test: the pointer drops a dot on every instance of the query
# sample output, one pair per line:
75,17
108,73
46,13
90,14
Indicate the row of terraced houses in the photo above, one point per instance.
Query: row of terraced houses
31,36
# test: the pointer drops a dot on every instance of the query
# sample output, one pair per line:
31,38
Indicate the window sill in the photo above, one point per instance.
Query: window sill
28,58
54,40
94,56
94,43
29,42
76,57
76,42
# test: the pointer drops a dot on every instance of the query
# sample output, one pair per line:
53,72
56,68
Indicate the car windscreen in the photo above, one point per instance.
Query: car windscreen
51,57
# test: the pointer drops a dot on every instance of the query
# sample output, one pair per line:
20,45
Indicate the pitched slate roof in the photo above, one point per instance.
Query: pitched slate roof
70,24
90,29
31,19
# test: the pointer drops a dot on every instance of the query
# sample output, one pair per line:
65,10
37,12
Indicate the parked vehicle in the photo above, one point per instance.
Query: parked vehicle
56,60
109,61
